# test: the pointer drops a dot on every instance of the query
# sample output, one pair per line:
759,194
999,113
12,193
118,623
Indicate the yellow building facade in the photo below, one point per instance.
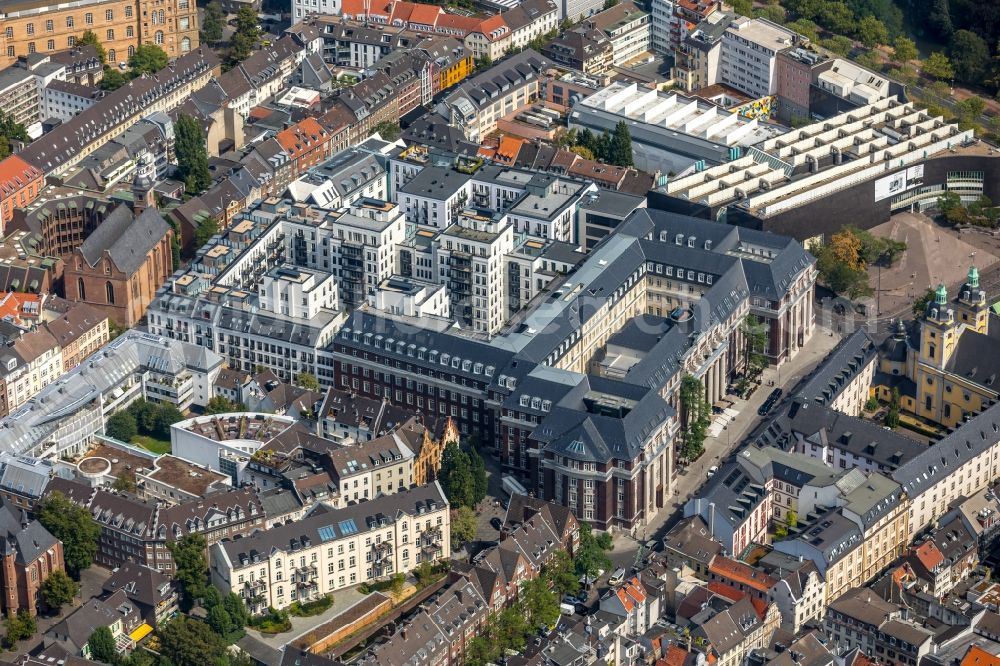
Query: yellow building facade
950,364
120,25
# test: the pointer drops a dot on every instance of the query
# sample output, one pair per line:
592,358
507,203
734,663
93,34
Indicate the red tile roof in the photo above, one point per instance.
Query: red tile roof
977,656
302,137
16,174
726,591
730,569
929,555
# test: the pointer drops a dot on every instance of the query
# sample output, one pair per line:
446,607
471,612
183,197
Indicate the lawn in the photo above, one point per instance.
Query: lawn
151,444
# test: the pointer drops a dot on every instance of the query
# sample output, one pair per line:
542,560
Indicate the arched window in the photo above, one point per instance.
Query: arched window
131,51
185,45
81,292
110,292
111,55
159,37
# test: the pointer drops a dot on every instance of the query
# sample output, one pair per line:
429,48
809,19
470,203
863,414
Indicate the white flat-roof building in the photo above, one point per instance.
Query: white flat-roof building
749,47
847,80
670,132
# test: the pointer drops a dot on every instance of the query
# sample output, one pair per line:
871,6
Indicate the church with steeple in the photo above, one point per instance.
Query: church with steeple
952,369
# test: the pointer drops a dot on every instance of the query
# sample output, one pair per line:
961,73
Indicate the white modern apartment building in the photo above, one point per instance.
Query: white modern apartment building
334,548
749,47
354,244
470,260
298,292
629,29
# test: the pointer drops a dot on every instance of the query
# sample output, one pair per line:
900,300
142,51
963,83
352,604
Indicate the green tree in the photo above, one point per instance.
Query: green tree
121,425
950,205
806,28
456,476
463,525
872,32
939,18
212,23
754,345
113,79
836,17
144,413
838,44
424,573
218,619
220,404
74,526
742,7
592,553
192,155
10,130
583,152
773,13
970,56
695,417
88,38
920,305
206,228
388,130
191,567
970,108
480,482
20,627
608,4
938,66
892,415
484,62
102,646
540,604
560,571
245,37
871,60
237,610
187,642
166,415
904,50
307,381
621,146
792,518
59,590
148,58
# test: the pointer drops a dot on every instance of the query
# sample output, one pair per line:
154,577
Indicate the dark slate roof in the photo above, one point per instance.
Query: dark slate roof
839,368
365,322
365,517
821,425
436,182
976,435
25,539
511,71
128,240
976,359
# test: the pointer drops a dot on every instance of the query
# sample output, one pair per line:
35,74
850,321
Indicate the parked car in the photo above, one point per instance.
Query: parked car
496,523
617,578
711,471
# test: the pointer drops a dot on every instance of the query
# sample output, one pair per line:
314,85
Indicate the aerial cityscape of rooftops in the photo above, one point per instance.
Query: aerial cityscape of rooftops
500,332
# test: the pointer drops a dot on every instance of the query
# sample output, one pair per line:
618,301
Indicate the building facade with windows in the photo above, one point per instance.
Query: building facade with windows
333,549
41,26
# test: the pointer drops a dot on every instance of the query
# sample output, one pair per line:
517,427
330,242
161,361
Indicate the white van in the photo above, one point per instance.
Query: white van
566,609
617,578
